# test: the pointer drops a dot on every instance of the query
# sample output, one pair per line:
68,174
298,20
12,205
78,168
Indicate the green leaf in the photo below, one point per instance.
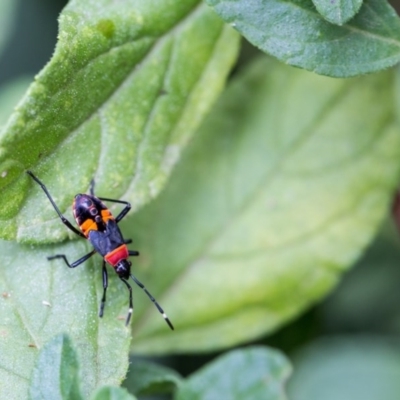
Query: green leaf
127,86
347,368
338,12
147,378
295,33
112,393
40,299
56,373
279,193
252,374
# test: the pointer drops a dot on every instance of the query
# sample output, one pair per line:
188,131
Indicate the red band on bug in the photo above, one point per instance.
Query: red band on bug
120,253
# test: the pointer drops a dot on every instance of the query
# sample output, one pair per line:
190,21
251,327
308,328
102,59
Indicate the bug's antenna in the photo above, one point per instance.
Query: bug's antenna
140,284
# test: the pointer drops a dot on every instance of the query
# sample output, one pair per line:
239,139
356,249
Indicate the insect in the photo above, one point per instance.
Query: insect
98,225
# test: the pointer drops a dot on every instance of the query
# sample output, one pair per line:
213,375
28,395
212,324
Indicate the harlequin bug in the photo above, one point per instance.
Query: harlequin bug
97,224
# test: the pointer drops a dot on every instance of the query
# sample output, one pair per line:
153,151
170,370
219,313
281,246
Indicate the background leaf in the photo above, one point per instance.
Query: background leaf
147,378
7,10
284,185
56,373
366,301
40,299
296,34
338,12
347,368
124,91
10,94
252,373
112,393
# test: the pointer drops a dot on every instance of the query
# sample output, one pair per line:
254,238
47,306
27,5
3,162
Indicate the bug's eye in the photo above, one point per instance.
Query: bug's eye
87,203
93,211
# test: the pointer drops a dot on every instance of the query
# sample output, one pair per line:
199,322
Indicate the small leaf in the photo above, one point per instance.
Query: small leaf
279,193
56,373
148,378
112,393
338,12
252,374
342,368
40,299
295,33
127,86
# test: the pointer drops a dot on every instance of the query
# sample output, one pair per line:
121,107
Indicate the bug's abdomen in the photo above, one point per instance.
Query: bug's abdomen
90,213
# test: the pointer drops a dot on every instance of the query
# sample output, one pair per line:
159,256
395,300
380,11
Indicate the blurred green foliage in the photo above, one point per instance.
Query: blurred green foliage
279,190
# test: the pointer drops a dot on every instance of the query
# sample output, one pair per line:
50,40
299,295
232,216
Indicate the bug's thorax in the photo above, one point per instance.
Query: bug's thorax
90,213
117,255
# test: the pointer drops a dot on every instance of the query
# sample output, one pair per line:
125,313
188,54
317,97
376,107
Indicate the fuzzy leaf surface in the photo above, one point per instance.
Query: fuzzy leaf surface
295,33
40,299
127,86
281,190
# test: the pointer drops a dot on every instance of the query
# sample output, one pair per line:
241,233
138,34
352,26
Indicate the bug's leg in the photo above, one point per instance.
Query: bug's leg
63,219
128,317
75,263
140,284
131,252
91,187
123,212
105,285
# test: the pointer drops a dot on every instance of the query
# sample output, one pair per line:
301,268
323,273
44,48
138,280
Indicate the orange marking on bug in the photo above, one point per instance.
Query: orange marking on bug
106,215
87,226
115,256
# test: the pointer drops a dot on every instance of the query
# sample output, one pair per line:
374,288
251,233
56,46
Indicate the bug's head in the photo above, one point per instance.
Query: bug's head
123,269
